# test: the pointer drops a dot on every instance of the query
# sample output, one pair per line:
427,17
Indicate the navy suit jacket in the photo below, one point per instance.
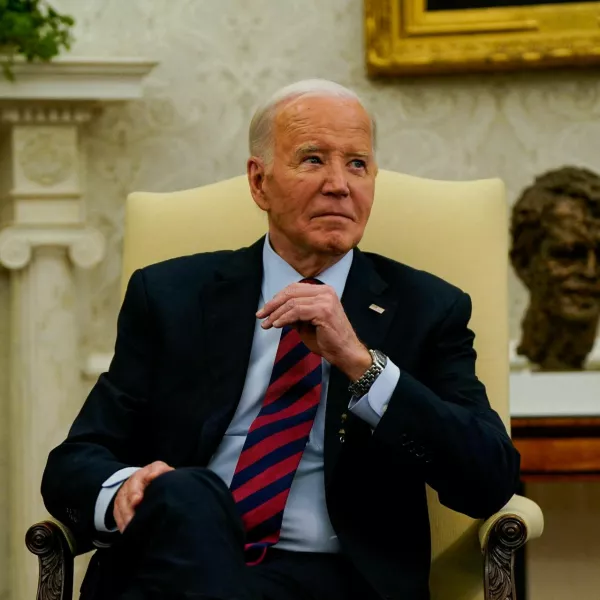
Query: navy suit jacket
184,337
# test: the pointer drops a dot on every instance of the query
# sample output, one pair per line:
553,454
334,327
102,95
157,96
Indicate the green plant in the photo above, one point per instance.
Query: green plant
32,29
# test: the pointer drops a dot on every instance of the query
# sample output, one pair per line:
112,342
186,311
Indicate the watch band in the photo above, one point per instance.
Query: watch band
362,385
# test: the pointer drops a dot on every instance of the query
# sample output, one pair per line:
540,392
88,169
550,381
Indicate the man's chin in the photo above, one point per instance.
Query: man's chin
333,243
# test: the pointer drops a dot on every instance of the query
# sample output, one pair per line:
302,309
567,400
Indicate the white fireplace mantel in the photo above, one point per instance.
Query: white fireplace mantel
44,239
78,79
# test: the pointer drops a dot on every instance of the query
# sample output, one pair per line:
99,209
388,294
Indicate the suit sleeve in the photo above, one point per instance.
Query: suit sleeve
444,427
107,434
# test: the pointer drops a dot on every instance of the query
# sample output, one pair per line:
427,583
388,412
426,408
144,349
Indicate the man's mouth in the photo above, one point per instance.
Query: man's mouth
332,215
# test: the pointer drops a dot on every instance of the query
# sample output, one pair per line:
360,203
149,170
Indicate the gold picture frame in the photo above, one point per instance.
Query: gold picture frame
404,37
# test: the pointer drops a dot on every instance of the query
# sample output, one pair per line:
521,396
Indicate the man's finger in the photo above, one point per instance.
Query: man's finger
127,520
122,511
132,492
117,516
284,308
298,314
295,290
135,499
127,499
152,471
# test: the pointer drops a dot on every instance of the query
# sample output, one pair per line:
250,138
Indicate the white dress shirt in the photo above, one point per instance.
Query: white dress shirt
306,525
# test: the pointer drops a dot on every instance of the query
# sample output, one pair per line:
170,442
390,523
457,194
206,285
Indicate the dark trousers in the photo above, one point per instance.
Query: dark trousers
186,541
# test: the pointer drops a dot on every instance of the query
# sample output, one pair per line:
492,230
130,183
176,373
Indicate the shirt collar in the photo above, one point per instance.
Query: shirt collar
278,274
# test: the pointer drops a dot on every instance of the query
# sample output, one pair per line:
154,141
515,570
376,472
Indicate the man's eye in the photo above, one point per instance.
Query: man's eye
314,160
357,163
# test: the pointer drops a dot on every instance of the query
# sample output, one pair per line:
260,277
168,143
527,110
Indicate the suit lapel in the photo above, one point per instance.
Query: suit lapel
364,287
229,307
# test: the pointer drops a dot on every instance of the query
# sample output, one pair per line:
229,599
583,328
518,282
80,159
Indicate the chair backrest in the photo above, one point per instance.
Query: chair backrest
457,230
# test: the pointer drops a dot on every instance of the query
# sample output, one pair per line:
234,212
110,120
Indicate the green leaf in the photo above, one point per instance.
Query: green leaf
33,29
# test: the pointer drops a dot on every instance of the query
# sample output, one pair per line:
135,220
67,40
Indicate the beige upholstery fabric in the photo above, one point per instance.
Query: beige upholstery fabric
524,508
455,230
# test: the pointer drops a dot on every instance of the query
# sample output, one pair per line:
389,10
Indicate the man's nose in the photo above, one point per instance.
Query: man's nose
336,180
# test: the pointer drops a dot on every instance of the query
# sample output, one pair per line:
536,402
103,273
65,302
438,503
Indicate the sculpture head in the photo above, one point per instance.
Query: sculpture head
556,253
556,244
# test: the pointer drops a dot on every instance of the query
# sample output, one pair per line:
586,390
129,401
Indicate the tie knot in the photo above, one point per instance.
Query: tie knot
312,281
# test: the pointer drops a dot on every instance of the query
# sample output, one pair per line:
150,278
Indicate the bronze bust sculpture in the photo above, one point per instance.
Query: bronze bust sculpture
556,253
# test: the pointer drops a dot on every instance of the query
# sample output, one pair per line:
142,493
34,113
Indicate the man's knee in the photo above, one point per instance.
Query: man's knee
187,485
194,496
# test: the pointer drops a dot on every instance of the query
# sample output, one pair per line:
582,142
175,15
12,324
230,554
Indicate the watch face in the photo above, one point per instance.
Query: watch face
381,357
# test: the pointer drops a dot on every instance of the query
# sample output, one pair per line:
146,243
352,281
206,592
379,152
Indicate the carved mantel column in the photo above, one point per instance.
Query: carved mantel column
44,238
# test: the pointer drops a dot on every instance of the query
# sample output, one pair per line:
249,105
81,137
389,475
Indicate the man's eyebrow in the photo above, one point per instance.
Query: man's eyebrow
313,148
307,149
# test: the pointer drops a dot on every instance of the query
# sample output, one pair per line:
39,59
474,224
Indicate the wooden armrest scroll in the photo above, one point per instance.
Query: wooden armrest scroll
50,544
508,534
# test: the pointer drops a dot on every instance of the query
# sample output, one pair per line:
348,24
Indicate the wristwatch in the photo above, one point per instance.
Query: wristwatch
361,386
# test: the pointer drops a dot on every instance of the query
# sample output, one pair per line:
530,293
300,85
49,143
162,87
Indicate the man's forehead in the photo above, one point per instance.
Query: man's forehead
331,112
309,105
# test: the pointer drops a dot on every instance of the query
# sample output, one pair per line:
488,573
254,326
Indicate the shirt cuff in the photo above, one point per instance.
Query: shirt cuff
109,488
372,405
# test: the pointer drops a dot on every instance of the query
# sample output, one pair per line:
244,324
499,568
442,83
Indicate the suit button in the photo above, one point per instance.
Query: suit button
420,452
73,515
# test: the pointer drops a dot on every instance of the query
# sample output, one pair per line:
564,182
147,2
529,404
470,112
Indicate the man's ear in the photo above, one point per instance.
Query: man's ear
256,171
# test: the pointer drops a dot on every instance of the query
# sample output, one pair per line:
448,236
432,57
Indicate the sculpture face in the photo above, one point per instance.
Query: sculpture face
564,276
556,253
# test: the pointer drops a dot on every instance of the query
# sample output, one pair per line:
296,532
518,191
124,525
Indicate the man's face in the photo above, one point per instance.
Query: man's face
566,272
318,190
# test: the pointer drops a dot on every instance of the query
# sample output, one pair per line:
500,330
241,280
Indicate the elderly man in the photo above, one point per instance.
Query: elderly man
272,414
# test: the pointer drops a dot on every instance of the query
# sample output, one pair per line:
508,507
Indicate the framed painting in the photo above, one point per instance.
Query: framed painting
444,36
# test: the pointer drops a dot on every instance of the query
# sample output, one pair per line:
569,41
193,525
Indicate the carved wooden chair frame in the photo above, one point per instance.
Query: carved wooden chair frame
49,542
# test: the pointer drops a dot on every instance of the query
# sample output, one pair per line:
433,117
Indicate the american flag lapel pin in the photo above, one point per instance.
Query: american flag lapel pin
377,309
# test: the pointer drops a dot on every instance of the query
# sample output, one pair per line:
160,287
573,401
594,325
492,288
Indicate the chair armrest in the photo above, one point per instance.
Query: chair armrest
518,513
500,537
54,545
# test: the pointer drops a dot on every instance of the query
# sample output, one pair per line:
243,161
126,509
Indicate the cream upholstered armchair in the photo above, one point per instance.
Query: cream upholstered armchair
455,230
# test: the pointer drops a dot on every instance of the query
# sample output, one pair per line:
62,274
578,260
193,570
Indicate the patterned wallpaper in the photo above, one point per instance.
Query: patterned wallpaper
219,58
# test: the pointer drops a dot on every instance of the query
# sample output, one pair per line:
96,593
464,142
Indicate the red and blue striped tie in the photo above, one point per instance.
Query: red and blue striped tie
275,442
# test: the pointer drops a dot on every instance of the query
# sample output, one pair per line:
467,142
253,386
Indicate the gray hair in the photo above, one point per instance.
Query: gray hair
261,127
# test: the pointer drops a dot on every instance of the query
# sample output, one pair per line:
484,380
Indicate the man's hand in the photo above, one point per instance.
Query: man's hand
132,492
317,314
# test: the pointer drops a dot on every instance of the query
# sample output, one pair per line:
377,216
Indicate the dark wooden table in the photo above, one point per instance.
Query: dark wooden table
554,449
558,448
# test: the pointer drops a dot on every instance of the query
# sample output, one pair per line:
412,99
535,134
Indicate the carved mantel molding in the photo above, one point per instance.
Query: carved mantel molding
78,80
86,246
44,233
37,113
